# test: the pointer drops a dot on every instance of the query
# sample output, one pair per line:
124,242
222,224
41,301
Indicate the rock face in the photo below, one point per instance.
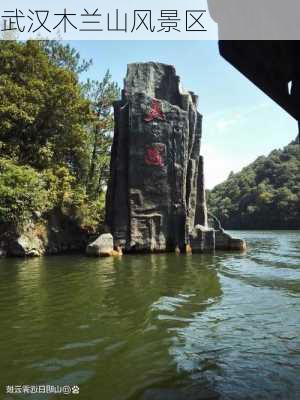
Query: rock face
223,241
51,234
202,239
27,245
156,191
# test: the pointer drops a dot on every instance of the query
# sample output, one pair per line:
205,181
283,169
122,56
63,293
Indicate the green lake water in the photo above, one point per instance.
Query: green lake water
156,327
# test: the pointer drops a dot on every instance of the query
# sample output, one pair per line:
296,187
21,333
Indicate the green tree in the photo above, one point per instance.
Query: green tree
22,191
101,94
65,56
42,111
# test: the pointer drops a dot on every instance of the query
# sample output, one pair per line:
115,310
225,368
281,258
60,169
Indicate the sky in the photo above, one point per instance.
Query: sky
240,122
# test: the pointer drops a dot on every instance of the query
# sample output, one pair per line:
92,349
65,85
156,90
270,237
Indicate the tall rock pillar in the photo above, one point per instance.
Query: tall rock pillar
156,191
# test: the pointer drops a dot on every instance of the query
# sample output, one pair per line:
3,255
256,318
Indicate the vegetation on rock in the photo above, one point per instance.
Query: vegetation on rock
55,134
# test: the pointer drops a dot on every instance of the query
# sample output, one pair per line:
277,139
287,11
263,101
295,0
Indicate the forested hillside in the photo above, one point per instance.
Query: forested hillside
264,195
55,134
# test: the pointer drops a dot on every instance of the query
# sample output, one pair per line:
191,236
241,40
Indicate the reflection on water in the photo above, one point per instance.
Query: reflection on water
223,326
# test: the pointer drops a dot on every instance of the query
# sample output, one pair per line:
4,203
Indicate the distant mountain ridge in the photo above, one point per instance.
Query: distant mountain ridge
264,195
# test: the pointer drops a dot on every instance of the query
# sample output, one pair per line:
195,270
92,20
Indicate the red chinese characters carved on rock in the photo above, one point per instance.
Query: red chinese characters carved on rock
154,156
155,112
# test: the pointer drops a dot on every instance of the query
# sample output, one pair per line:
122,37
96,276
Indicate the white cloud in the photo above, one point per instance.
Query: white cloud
225,119
224,123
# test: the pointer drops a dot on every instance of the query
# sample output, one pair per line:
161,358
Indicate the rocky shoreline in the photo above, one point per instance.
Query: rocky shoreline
50,234
33,243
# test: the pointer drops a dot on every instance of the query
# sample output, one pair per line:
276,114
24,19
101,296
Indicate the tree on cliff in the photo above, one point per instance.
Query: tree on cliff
101,94
264,195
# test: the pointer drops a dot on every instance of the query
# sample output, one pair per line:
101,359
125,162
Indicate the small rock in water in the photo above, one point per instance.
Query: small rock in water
102,247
